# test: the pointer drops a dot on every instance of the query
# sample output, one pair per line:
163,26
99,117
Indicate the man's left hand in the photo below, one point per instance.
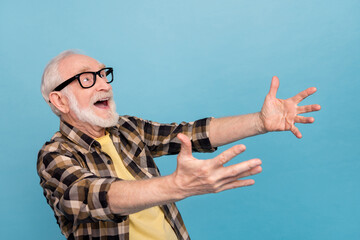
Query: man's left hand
281,115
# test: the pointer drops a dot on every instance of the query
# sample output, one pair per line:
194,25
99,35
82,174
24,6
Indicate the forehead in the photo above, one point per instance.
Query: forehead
77,63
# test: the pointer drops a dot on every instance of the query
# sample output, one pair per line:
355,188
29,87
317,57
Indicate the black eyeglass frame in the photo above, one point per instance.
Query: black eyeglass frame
77,77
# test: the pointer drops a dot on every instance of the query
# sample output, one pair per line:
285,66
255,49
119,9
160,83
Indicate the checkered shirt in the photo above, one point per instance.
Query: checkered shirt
76,175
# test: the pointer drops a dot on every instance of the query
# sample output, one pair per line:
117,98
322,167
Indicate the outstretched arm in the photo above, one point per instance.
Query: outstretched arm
275,115
191,177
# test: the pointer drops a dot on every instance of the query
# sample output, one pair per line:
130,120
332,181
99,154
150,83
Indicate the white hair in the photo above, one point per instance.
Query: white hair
51,77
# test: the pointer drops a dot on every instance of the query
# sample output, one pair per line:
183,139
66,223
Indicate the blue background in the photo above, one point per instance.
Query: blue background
184,60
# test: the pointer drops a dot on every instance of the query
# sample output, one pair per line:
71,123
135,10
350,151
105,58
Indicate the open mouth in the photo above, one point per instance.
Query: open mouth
103,103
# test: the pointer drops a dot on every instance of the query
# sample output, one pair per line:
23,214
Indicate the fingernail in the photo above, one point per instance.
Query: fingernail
242,147
257,162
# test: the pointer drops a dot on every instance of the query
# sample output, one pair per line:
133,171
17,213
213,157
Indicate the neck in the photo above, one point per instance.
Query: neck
87,128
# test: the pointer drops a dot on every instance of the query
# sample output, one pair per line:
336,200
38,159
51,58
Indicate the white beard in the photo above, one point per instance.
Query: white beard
87,115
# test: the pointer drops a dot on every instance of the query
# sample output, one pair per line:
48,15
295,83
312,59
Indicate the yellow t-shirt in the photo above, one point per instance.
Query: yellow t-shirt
147,224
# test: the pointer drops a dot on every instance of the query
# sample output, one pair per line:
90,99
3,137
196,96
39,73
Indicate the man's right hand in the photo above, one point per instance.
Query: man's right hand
196,177
191,177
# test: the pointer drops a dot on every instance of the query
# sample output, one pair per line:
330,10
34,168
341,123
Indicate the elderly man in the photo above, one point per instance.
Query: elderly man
98,172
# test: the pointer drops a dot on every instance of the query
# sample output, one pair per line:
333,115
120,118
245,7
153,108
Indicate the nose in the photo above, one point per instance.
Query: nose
102,85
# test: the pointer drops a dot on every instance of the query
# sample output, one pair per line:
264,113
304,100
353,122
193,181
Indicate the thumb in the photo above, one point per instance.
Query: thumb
274,86
185,150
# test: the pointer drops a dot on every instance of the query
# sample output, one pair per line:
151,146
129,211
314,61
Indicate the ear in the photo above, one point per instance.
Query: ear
59,101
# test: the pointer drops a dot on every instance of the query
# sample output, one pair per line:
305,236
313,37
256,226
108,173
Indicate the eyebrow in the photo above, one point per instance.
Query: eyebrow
87,69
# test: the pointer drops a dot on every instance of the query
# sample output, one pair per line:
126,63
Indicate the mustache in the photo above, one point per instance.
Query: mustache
102,96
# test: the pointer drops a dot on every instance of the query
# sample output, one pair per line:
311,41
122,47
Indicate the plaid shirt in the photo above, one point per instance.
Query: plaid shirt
76,175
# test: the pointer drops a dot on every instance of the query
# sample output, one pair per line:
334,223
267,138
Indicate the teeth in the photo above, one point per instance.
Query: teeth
104,99
101,97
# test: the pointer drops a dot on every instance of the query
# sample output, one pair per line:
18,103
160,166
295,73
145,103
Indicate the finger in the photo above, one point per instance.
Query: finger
185,150
304,94
229,154
240,168
236,184
296,131
308,108
301,119
251,172
229,181
274,86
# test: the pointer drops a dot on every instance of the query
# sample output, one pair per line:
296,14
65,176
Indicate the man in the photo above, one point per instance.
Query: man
98,172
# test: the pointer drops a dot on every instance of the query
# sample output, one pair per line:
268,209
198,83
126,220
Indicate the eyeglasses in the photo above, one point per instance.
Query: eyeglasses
88,79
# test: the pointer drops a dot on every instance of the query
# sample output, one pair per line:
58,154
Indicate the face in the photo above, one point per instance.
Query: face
93,105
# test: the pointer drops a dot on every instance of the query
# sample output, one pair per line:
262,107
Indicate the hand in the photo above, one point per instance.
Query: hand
281,115
195,177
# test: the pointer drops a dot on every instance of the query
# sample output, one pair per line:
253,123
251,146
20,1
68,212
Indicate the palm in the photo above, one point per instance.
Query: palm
281,115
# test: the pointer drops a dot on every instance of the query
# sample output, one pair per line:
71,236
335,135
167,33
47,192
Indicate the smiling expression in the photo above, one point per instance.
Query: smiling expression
97,97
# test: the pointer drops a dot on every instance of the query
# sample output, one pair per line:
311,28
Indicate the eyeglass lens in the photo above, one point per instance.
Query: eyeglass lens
88,79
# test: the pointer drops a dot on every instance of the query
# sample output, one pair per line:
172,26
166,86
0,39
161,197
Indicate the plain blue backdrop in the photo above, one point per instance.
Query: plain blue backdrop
184,60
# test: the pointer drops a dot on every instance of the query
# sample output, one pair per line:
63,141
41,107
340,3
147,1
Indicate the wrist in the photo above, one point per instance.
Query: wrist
259,123
177,186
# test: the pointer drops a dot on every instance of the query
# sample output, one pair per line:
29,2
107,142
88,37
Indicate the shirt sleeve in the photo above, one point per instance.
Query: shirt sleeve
73,192
161,138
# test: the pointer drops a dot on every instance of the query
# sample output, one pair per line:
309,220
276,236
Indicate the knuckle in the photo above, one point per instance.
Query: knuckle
235,151
212,181
222,158
204,171
250,165
233,172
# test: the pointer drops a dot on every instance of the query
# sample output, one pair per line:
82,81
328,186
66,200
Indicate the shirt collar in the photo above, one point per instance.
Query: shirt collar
77,136
80,138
